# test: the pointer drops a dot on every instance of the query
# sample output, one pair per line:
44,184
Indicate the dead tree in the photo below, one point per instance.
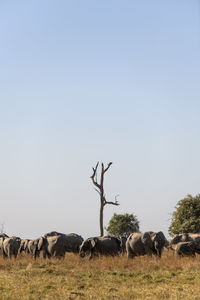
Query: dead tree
99,188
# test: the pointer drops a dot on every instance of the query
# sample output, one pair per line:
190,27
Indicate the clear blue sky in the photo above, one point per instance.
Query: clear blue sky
87,81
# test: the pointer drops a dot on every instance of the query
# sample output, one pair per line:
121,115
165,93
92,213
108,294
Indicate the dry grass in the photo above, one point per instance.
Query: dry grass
101,278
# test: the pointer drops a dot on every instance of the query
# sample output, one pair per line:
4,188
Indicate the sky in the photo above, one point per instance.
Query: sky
87,81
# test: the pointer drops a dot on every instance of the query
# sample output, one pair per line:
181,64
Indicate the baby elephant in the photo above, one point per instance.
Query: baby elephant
187,248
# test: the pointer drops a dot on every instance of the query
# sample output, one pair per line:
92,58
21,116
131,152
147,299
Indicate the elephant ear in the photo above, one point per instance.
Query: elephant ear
93,242
160,239
176,239
146,239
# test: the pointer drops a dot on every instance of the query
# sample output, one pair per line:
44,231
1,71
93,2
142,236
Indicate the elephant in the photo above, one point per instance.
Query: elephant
146,243
72,240
159,242
2,238
24,246
10,246
105,245
187,248
185,237
139,244
32,248
52,246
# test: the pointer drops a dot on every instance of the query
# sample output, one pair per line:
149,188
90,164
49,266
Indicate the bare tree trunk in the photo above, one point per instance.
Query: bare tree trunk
100,190
101,220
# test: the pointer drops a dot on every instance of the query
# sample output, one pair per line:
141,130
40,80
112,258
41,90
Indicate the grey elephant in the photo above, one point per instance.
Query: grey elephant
52,246
139,244
159,242
72,240
187,248
185,237
32,248
9,246
105,245
24,246
146,243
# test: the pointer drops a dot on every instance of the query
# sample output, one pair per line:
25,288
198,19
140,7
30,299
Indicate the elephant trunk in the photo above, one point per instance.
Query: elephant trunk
82,254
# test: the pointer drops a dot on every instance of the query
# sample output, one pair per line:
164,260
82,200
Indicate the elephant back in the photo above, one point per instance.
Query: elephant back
52,233
3,235
134,235
195,237
107,245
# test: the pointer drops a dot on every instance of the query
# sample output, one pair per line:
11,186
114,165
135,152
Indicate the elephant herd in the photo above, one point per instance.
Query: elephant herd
55,244
52,244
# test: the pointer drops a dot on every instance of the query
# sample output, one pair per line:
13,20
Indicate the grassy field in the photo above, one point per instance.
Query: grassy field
101,278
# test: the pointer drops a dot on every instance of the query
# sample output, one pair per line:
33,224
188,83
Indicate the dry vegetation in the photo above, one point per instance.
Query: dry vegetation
101,278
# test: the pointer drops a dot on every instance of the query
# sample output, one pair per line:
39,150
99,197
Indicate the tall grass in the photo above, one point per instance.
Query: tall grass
100,278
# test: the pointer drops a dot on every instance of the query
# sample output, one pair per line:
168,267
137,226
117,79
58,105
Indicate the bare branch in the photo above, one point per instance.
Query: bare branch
112,203
106,169
94,176
94,170
95,183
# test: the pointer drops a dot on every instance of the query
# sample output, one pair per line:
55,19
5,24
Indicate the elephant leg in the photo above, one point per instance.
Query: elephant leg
178,254
130,255
92,254
62,256
9,254
148,251
4,255
48,255
45,254
35,254
158,252
129,252
193,254
15,254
